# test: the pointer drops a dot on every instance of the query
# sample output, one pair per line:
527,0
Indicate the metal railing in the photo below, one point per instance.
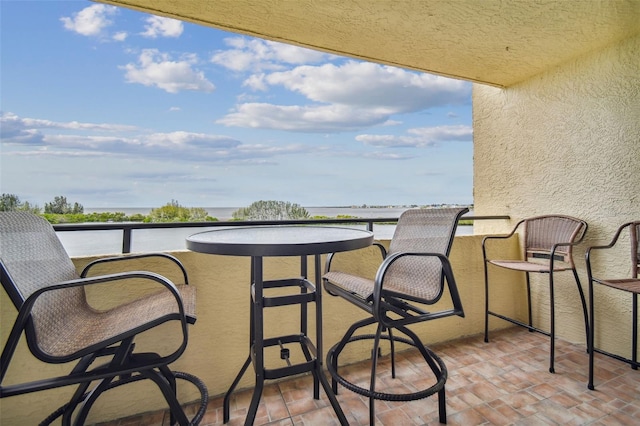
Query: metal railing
128,227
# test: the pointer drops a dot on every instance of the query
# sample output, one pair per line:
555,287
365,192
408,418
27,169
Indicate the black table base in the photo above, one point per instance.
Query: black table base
309,293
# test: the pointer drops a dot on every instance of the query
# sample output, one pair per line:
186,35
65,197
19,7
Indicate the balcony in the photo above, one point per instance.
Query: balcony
498,383
501,382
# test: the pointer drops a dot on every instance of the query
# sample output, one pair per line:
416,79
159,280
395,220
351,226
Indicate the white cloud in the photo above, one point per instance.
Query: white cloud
157,69
346,97
175,146
257,55
14,129
322,118
90,21
444,133
369,85
388,156
120,36
157,26
420,137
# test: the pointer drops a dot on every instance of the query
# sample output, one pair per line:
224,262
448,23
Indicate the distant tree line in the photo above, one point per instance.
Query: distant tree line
271,210
12,203
62,211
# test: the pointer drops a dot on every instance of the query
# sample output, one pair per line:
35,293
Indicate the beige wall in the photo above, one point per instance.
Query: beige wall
566,141
218,342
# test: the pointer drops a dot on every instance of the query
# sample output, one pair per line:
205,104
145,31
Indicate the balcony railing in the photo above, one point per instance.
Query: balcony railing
128,227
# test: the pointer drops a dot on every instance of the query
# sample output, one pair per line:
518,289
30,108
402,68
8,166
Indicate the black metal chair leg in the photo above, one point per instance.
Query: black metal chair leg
77,399
437,367
171,380
552,333
590,341
634,327
169,395
442,406
393,354
486,302
89,400
374,368
332,355
529,302
583,301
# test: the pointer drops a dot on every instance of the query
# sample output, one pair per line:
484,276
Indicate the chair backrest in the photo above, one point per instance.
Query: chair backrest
543,232
422,231
32,258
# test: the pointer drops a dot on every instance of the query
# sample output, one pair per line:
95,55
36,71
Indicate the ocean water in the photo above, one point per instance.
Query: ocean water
88,243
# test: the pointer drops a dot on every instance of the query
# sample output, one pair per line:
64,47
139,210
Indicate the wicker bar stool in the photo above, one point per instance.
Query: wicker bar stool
630,285
547,249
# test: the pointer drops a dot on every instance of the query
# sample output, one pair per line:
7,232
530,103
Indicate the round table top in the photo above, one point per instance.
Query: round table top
284,240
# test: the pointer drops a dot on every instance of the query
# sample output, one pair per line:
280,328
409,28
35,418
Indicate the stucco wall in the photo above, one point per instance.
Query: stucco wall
567,141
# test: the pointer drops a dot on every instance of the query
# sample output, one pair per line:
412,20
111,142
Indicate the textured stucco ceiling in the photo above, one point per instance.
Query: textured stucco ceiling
497,42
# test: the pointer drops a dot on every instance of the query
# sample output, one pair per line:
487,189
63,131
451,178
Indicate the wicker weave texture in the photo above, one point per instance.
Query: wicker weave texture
421,231
542,233
632,284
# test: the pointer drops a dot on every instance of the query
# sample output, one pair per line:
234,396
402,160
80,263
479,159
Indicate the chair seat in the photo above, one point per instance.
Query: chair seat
87,327
522,265
358,286
626,284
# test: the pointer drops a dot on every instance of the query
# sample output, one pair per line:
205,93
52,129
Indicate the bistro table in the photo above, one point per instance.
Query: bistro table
270,241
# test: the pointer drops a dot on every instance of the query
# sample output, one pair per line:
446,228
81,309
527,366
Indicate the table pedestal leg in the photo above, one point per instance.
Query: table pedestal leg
257,341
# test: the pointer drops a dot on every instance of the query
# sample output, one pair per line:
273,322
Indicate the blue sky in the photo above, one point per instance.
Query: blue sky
115,108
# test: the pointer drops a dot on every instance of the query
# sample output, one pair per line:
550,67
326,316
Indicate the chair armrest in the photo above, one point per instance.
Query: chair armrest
498,237
169,257
611,244
383,252
447,271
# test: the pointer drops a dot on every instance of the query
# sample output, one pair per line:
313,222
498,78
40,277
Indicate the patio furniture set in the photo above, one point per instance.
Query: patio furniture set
414,274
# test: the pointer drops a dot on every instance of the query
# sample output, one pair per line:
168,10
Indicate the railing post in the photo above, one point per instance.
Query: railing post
126,240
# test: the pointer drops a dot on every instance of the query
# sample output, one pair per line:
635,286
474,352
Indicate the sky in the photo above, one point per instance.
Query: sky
110,107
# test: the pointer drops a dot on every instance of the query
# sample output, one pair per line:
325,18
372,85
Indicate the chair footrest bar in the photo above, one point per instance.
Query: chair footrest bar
438,386
520,323
632,363
198,383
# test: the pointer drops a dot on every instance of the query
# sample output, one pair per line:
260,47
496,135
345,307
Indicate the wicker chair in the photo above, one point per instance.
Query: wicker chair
547,249
412,274
60,326
630,285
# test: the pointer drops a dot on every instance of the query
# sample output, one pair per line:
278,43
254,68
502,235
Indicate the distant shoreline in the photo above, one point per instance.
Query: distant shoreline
226,213
116,209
